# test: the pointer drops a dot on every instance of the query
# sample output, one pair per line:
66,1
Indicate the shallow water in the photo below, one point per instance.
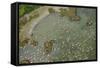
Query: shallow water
74,40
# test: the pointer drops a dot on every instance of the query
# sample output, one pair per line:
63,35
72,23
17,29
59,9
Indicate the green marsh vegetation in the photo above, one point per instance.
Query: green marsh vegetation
63,12
24,9
51,10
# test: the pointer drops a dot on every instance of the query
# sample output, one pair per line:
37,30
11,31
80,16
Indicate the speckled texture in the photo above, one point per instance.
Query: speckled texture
73,40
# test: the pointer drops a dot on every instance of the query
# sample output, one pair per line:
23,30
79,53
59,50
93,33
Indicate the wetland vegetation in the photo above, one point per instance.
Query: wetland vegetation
65,35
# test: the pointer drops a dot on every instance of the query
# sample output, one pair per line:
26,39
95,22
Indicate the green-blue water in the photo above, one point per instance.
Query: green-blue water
74,40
